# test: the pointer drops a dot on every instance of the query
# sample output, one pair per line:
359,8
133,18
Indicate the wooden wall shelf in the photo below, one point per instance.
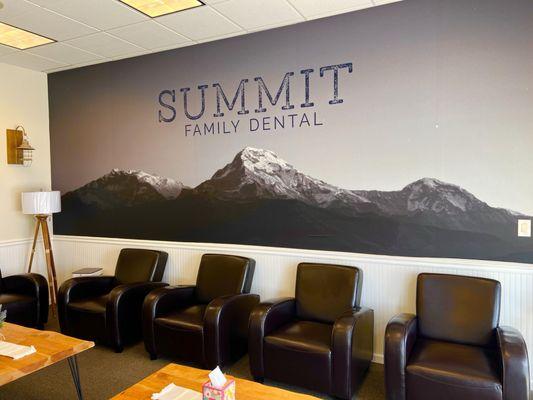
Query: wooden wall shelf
14,139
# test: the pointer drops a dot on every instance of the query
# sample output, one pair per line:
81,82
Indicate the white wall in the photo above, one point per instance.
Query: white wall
388,286
23,101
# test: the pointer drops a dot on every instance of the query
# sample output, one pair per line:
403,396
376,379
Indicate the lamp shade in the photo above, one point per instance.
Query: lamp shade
41,202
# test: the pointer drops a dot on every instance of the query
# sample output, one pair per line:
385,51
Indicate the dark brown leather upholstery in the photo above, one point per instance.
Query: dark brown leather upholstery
454,348
208,323
139,265
25,298
340,287
458,309
108,309
321,339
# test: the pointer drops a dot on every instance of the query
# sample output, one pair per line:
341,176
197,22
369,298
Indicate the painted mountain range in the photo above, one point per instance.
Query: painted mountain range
260,199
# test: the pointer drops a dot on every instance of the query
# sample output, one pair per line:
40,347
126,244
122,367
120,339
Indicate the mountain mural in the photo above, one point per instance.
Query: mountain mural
259,198
124,189
429,201
260,174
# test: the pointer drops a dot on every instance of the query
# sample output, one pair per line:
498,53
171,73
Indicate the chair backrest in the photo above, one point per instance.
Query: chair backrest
221,275
324,291
459,309
140,265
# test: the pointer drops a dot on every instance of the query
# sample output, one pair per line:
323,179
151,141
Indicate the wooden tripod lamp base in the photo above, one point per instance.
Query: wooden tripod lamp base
42,224
42,205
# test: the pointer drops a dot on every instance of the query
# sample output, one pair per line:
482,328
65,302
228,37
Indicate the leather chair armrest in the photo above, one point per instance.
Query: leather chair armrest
158,302
33,285
226,317
126,294
79,288
26,284
264,319
515,364
124,309
400,337
353,348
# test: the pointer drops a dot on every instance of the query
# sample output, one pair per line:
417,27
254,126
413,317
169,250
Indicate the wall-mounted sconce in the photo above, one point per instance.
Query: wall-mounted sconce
19,150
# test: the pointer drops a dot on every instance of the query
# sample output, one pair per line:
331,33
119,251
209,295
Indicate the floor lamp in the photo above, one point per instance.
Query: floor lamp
42,205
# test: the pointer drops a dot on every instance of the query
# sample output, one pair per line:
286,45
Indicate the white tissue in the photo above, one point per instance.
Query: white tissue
217,378
173,392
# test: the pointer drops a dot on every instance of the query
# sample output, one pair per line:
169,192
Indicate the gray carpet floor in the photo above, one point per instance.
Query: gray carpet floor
104,374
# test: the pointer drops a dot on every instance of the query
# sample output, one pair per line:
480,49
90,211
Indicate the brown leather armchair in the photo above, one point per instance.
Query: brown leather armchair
322,339
454,347
108,309
25,298
208,323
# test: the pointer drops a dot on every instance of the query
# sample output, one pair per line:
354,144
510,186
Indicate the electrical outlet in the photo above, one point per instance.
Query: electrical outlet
524,228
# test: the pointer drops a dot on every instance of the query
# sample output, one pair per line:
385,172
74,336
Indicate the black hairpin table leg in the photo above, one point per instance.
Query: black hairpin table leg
73,364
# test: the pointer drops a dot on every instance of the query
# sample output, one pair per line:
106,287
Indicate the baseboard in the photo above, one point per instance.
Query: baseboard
378,359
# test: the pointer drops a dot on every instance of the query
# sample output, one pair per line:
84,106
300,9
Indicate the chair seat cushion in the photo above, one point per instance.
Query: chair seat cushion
299,353
20,309
8,298
190,318
96,305
443,370
308,336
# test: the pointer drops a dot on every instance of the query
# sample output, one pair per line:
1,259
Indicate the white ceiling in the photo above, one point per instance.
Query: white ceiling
93,31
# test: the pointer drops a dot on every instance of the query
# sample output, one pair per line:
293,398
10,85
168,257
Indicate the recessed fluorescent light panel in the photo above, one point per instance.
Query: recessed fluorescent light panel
157,8
19,38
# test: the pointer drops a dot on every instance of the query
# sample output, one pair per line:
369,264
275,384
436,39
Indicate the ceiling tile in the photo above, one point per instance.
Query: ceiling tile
252,14
199,23
103,60
49,71
76,24
6,49
381,2
101,14
274,26
158,8
15,7
26,60
131,55
50,24
104,44
64,53
229,35
177,46
149,34
43,3
314,8
52,70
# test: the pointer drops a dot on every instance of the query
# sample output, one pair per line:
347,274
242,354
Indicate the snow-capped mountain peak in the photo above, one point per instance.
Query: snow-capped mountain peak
262,160
429,182
437,196
255,161
166,187
258,173
127,188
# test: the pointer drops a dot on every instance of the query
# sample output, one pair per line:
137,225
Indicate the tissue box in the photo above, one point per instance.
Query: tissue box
227,392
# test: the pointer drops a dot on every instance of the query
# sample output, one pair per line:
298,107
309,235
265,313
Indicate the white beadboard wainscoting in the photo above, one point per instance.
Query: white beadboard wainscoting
15,255
388,286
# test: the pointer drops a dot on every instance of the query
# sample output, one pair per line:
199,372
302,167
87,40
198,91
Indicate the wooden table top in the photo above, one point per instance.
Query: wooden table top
192,378
51,347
